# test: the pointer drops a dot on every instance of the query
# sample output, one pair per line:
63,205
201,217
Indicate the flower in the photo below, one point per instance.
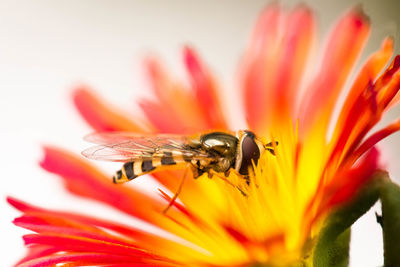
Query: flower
290,194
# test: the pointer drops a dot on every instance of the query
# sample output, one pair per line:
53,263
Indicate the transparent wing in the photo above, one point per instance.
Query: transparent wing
125,146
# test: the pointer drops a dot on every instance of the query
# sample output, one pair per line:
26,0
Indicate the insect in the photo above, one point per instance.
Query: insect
214,152
211,153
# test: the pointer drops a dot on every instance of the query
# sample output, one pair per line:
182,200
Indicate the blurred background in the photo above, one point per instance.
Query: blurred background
48,47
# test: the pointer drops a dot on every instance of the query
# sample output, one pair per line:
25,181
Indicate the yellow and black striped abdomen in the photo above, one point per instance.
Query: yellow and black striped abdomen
131,170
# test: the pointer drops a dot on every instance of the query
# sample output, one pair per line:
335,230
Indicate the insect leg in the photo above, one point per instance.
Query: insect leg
223,178
172,201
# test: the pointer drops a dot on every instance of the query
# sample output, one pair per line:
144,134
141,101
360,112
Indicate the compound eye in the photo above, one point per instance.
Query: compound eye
250,153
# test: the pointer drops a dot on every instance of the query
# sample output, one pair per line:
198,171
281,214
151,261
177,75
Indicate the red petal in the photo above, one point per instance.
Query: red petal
89,227
100,115
375,138
85,180
365,113
205,90
53,225
345,184
77,244
84,259
37,251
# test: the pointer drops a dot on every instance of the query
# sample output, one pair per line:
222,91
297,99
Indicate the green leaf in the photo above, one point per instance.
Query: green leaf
332,248
390,198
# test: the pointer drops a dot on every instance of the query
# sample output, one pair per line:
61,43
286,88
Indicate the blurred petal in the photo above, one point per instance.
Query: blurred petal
273,76
83,179
344,45
296,44
174,110
366,111
346,184
57,223
205,90
368,74
375,138
265,218
259,64
100,115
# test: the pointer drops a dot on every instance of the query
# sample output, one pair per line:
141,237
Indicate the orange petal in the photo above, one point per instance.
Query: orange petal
293,55
205,89
344,45
391,77
275,66
259,64
175,110
101,115
164,119
85,180
365,112
368,73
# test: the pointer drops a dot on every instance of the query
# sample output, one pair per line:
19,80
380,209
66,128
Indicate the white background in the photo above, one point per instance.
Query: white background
48,47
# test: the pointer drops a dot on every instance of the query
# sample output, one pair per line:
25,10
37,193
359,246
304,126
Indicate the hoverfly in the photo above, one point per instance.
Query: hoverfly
214,152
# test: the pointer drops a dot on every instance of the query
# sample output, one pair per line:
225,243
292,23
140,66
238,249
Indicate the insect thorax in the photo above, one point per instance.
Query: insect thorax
219,144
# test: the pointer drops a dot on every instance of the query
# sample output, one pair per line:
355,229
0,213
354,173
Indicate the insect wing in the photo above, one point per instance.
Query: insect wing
123,147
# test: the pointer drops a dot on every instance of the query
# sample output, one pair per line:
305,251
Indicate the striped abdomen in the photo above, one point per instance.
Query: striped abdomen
131,170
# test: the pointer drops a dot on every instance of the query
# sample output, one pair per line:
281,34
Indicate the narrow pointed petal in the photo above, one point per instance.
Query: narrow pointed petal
100,115
275,66
204,87
375,138
174,110
365,112
296,43
37,251
83,179
345,186
55,223
88,259
369,73
259,64
77,244
343,48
